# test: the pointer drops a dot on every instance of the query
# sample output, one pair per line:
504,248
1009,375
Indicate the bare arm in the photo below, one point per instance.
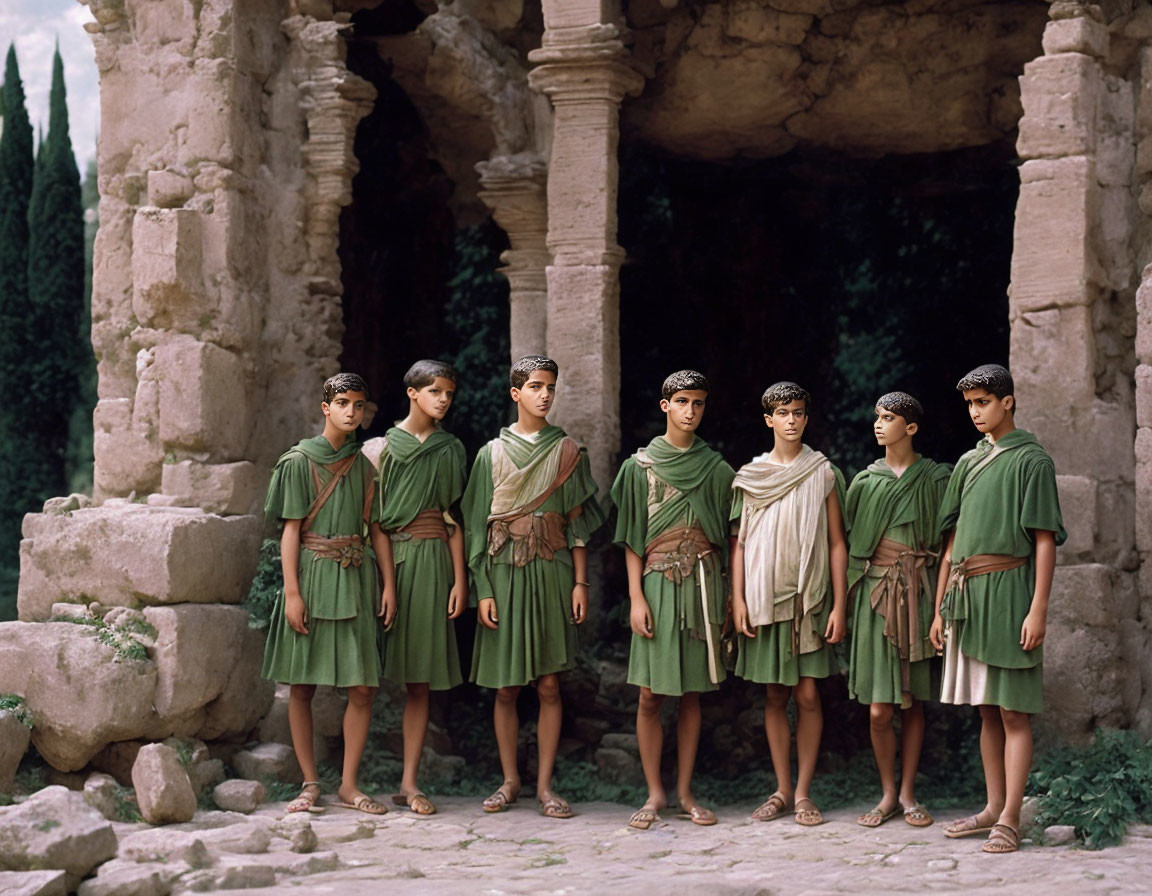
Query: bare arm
581,588
739,604
458,596
936,632
382,545
1035,623
640,615
294,610
838,569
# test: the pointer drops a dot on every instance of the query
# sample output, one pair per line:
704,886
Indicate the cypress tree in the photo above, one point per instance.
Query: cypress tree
56,298
16,167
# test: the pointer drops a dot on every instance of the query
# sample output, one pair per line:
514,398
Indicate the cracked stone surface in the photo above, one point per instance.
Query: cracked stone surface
463,851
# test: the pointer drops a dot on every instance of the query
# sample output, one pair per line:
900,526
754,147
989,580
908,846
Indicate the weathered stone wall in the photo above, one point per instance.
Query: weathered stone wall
758,77
225,157
1081,240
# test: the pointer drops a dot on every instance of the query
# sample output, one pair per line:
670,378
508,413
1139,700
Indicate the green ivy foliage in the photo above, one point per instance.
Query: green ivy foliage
267,586
1100,789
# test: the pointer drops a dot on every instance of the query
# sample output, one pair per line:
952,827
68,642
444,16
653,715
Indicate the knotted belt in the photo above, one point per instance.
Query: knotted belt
347,550
537,534
675,553
954,606
897,597
426,524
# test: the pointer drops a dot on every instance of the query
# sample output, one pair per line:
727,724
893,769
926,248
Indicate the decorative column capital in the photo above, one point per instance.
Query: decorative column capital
585,63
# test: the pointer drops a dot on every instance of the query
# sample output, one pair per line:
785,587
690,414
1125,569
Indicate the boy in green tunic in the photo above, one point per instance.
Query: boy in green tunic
789,582
893,548
1002,517
422,472
529,509
674,498
325,630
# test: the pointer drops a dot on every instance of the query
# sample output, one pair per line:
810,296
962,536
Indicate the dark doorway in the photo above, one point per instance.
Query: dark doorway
415,285
852,277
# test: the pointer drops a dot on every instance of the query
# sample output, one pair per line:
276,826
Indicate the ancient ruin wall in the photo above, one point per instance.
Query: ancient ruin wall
225,157
1081,240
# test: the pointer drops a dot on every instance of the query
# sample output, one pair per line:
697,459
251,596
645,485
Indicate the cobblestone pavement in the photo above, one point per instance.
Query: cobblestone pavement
463,851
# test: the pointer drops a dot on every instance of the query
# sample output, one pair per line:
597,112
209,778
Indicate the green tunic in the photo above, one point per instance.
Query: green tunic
656,490
342,601
997,497
536,634
902,509
417,476
771,657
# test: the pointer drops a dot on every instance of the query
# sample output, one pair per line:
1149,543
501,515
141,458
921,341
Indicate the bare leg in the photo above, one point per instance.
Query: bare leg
884,747
911,743
415,728
650,738
687,742
779,737
809,727
357,716
300,724
1017,728
506,721
992,756
547,732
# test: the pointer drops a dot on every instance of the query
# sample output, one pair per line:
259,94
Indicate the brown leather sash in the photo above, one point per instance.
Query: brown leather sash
981,565
897,597
676,551
426,524
347,550
538,534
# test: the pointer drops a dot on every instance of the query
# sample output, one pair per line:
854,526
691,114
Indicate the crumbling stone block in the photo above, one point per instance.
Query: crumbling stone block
134,555
227,489
55,829
202,399
82,694
167,280
163,790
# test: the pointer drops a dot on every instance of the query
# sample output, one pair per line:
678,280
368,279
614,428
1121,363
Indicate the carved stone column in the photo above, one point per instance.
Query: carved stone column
585,70
514,188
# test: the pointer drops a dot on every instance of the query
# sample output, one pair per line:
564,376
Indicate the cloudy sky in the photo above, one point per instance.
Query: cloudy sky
35,26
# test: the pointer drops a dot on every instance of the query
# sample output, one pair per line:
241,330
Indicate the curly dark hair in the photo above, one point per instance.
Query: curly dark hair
526,365
344,382
903,404
684,380
995,378
782,393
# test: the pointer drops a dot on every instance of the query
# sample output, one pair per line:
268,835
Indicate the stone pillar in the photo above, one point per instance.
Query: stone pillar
514,188
1071,297
584,68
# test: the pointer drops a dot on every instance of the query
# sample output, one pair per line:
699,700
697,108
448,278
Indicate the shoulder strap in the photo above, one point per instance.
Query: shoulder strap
569,458
338,471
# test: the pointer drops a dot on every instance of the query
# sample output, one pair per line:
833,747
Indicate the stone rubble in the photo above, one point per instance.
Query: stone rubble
14,739
163,789
239,796
55,828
